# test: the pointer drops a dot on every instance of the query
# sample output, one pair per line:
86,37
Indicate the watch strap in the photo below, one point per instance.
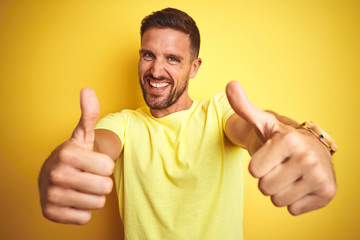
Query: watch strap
325,138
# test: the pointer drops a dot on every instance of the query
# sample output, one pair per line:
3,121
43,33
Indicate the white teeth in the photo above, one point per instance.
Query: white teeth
158,85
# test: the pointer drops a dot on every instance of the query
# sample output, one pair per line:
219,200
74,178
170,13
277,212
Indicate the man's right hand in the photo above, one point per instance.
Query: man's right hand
74,179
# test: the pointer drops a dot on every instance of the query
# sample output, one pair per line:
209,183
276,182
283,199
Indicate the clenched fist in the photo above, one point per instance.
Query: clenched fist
74,179
293,167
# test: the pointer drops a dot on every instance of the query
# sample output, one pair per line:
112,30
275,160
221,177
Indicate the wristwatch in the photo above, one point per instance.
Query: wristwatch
325,138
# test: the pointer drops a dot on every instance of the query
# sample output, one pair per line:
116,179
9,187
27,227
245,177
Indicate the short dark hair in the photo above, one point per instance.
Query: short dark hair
175,19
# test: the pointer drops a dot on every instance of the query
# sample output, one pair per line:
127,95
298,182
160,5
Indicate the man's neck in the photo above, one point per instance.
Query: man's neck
183,103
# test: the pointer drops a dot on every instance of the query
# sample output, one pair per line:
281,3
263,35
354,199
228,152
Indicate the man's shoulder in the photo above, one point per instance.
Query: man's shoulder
219,104
217,99
129,113
219,96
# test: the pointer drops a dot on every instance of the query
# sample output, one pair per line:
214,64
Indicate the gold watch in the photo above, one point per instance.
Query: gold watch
325,138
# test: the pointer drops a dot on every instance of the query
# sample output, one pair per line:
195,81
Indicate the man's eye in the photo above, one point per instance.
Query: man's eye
173,59
148,56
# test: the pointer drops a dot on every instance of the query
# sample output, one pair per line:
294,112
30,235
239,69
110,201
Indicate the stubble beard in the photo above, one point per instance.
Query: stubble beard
159,101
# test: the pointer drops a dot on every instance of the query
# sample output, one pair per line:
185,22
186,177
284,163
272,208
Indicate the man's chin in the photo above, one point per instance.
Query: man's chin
157,104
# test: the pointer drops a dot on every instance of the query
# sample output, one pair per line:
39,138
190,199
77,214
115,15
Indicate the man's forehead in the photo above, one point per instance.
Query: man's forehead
165,38
154,32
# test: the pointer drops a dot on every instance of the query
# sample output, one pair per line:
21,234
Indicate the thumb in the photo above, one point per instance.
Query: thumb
265,123
84,133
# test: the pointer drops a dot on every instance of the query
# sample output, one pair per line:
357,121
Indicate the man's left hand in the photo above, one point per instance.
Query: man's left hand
292,165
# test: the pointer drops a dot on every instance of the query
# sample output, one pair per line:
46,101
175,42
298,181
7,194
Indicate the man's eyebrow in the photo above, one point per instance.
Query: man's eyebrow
145,51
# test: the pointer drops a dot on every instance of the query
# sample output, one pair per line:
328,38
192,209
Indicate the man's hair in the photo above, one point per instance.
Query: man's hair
175,19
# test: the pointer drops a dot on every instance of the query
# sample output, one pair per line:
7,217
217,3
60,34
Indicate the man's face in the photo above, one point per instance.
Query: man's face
165,66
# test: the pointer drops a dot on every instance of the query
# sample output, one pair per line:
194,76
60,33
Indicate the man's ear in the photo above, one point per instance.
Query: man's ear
195,65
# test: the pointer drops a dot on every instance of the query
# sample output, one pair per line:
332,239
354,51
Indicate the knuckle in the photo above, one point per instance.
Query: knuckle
64,154
265,188
46,211
60,176
51,195
291,139
277,201
50,212
317,177
329,193
56,177
254,170
308,159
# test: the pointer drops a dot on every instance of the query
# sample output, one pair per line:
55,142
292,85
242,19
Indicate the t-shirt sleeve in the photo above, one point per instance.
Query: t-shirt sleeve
224,107
115,122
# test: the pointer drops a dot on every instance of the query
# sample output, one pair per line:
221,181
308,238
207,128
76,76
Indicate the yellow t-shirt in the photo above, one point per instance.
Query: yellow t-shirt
179,177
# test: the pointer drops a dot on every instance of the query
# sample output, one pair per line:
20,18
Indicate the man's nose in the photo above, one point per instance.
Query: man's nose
158,68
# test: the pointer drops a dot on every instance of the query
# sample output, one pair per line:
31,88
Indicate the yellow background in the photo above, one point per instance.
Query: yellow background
299,58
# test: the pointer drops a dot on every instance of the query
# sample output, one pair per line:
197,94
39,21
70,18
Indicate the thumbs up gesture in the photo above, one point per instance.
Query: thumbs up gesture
293,167
74,179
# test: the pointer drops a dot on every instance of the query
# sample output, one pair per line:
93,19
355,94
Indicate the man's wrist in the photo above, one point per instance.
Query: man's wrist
320,134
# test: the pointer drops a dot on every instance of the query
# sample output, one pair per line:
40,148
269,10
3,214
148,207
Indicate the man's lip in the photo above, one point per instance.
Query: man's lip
157,85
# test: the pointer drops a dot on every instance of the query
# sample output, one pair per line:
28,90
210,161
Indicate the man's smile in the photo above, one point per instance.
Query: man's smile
157,85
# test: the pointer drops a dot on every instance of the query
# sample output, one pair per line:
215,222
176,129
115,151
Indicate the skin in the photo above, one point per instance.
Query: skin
165,54
293,166
75,179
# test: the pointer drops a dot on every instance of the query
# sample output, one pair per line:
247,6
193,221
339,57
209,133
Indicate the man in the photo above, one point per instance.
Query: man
178,169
